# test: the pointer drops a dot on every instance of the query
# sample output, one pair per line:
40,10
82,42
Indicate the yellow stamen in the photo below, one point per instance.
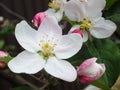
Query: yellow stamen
55,5
85,24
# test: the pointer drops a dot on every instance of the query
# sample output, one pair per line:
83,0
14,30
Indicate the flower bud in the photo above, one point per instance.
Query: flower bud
78,32
38,18
2,63
3,54
90,71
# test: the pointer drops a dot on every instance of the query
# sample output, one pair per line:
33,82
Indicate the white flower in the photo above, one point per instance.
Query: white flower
45,48
89,17
56,8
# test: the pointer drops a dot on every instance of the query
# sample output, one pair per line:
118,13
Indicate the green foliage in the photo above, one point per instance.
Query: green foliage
108,53
1,44
109,3
6,59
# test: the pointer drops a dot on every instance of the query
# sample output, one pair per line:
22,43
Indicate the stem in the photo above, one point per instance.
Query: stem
17,78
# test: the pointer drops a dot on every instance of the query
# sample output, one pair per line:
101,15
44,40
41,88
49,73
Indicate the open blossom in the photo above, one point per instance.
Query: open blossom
56,8
90,71
38,18
88,14
45,49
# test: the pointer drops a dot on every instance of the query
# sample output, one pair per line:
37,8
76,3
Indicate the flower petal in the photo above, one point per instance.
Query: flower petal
26,62
61,69
49,26
26,36
57,14
93,7
68,46
103,28
85,36
74,10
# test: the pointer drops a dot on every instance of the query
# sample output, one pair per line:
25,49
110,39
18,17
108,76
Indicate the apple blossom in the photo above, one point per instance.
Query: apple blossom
45,49
38,18
90,71
89,17
56,8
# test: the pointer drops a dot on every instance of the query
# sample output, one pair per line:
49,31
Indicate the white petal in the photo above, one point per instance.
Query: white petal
61,69
103,28
68,46
85,36
93,7
26,62
73,28
49,26
74,10
57,14
26,36
91,87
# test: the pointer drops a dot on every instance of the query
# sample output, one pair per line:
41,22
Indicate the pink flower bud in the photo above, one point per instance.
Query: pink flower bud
3,54
2,63
38,18
78,32
90,71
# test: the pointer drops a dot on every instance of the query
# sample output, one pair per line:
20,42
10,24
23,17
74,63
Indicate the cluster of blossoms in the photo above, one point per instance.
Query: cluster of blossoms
47,48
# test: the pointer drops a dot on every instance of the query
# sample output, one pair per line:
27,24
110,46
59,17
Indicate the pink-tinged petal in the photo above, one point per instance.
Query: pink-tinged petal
68,46
90,71
73,28
94,7
26,62
3,54
38,18
103,28
74,10
61,69
77,31
49,26
26,36
87,63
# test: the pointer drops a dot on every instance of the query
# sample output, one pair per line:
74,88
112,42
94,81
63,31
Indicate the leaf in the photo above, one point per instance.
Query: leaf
6,59
108,53
109,3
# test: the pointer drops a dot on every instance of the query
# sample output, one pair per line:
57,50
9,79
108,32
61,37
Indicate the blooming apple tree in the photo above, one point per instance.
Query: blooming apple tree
85,53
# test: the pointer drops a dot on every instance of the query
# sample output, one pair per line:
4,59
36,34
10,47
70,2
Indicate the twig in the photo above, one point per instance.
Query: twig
11,12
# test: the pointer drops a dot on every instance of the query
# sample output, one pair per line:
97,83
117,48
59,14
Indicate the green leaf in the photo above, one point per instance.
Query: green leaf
108,53
6,59
109,3
115,17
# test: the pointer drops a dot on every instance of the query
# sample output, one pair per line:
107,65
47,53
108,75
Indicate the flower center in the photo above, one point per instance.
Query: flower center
85,24
47,47
55,4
